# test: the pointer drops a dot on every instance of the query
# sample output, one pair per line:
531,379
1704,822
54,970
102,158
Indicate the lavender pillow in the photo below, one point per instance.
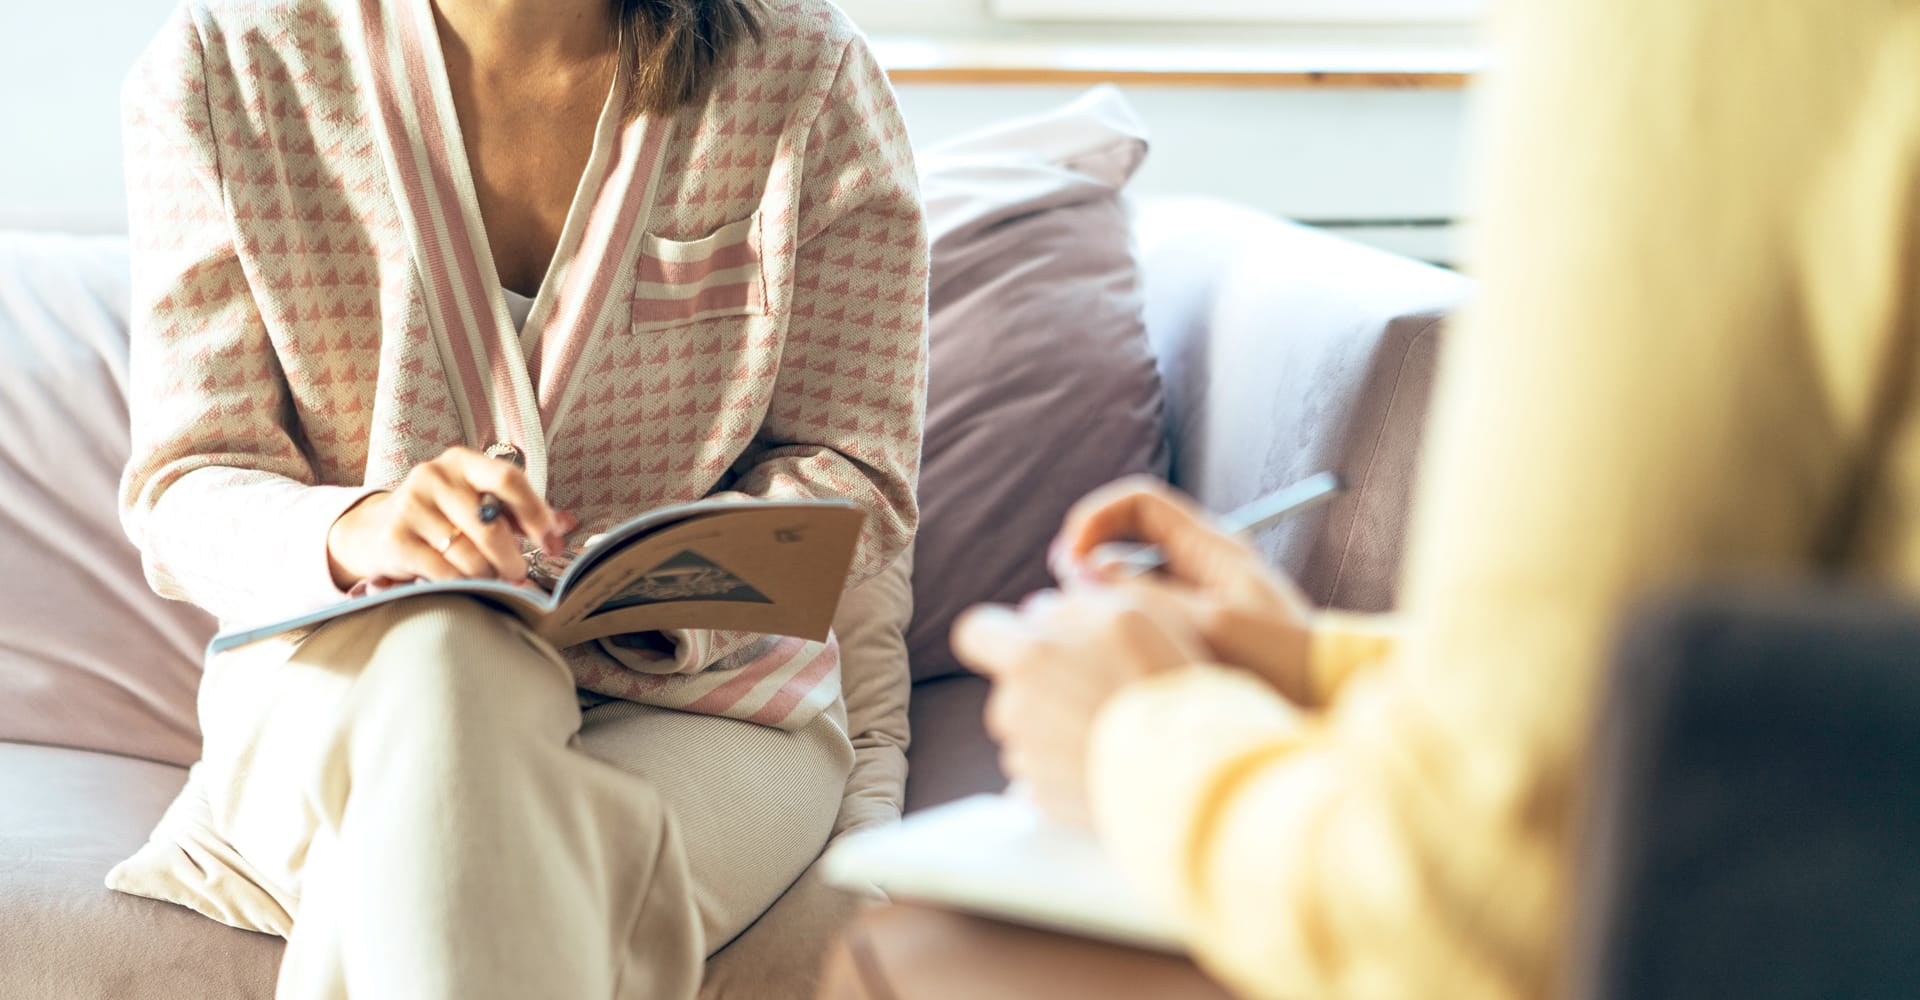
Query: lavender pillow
89,656
1042,386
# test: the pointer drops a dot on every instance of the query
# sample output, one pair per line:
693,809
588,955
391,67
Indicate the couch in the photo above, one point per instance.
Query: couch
1282,351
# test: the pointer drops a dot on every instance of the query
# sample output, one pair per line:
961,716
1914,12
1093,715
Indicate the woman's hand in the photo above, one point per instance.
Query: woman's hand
429,526
1054,662
1247,615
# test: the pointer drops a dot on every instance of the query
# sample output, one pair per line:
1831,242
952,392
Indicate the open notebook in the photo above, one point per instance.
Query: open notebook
995,855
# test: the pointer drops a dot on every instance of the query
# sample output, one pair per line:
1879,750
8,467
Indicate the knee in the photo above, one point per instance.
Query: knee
452,671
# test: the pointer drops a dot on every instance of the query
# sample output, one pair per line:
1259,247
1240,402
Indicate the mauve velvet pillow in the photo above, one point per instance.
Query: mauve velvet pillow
89,656
1041,383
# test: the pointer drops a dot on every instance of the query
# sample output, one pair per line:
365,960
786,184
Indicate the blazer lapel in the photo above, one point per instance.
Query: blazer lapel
420,142
593,268
584,297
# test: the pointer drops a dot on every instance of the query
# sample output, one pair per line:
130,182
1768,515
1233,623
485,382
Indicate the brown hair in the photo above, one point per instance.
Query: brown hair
671,48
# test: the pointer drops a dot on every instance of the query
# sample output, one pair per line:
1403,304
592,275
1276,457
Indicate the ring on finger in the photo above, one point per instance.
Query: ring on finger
447,543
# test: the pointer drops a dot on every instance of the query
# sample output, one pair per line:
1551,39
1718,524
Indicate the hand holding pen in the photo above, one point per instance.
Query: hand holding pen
1155,543
1199,598
1119,560
434,525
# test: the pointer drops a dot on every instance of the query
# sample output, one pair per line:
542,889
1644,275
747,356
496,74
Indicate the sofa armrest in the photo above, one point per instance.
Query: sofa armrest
903,952
1756,821
1286,351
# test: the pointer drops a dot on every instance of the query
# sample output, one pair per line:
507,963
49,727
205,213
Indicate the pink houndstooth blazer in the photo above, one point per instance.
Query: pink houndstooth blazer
737,307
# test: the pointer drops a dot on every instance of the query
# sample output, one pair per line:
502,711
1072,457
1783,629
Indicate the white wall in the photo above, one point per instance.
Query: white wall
1315,154
61,64
1344,154
1379,156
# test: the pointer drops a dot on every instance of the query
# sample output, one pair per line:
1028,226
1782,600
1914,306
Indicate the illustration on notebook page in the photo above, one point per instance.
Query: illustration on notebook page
688,576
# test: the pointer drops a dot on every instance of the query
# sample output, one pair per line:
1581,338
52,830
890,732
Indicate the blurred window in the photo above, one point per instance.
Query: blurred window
936,14
1244,11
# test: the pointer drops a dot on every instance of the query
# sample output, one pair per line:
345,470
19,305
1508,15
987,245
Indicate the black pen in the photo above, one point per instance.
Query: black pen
490,510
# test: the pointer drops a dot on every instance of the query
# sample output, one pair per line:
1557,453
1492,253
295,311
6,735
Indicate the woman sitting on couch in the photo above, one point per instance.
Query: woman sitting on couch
1693,357
592,257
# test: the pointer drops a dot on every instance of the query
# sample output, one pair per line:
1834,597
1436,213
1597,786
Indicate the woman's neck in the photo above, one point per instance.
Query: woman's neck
512,37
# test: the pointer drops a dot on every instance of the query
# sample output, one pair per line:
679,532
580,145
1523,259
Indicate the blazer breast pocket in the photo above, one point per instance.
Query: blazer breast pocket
682,281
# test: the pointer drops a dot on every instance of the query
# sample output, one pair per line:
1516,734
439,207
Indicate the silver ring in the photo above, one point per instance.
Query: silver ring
448,544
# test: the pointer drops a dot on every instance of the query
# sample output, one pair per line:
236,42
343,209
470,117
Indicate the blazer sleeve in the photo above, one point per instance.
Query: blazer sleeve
217,496
849,403
1665,381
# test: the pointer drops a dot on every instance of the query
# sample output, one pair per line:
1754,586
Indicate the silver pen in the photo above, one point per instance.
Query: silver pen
1124,560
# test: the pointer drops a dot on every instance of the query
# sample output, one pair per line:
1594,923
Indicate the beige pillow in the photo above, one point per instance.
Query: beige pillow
1041,385
872,627
90,657
778,958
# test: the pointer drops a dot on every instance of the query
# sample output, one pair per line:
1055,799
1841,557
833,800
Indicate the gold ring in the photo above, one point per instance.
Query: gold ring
444,546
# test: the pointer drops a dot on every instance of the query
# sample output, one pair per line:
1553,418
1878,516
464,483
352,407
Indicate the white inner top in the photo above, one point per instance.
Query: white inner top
518,306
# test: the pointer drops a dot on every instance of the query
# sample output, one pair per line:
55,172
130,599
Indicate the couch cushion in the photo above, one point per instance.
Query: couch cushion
66,816
1284,352
778,956
89,656
871,625
1041,385
952,757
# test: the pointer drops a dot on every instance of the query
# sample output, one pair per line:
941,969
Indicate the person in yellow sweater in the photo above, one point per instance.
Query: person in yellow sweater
1692,359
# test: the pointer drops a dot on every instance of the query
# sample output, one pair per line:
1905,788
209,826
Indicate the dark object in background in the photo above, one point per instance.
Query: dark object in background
1757,821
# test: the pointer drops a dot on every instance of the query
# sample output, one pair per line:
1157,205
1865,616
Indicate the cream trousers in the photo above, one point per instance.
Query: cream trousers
418,788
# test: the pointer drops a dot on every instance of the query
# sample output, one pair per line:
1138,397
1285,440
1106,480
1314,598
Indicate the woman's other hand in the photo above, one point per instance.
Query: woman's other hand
1054,662
1247,614
429,526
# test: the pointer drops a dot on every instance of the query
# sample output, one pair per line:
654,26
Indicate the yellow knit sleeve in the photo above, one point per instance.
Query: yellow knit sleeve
1343,644
1174,734
1295,848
